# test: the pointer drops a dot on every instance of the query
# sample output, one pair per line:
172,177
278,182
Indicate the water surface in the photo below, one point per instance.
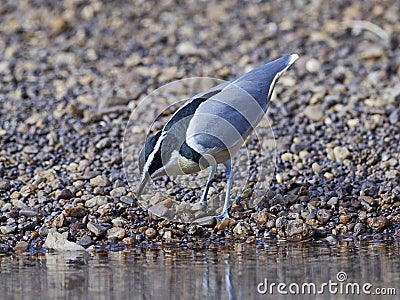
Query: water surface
236,272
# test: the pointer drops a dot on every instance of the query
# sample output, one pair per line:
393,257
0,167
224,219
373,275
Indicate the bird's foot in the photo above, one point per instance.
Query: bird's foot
224,214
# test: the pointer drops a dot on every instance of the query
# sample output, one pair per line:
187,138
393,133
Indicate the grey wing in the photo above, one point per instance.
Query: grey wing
223,121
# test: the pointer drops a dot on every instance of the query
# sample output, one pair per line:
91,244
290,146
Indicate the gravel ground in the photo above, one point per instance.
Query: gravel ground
71,71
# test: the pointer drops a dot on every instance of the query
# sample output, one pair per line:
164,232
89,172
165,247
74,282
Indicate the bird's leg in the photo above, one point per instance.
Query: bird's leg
229,176
208,184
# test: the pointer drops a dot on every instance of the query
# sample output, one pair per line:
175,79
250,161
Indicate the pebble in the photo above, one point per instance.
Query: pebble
324,215
30,149
7,229
240,229
5,185
76,212
341,153
96,201
84,241
65,194
287,156
316,167
100,181
297,230
150,233
208,221
378,223
97,229
59,242
314,113
313,66
116,232
58,221
222,224
21,246
18,204
28,212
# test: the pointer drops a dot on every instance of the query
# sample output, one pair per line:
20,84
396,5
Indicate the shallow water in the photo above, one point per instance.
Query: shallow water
236,272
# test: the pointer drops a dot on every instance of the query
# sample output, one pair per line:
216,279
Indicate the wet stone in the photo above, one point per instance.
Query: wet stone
324,215
378,223
21,246
150,232
84,241
208,221
96,229
116,232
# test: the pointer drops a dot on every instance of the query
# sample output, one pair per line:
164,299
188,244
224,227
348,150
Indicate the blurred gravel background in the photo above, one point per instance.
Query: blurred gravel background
71,71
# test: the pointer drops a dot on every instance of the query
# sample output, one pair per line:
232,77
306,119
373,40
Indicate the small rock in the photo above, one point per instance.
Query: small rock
18,204
21,246
75,212
353,123
287,156
59,242
116,232
58,221
207,221
197,206
100,181
324,215
246,193
65,194
96,201
378,223
7,229
84,241
297,230
392,174
28,212
314,113
5,185
128,240
127,200
222,224
167,202
190,49
103,143
333,201
341,153
359,228
344,219
316,168
97,229
331,239
313,66
4,248
30,149
239,229
161,211
150,232
118,192
251,239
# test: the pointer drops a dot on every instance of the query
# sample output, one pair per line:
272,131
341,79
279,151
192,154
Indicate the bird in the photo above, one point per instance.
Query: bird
210,127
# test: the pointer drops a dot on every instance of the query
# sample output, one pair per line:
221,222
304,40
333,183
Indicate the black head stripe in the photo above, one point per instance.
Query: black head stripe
150,144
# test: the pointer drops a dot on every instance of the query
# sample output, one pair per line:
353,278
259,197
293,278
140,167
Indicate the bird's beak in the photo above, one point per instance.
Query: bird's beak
142,184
